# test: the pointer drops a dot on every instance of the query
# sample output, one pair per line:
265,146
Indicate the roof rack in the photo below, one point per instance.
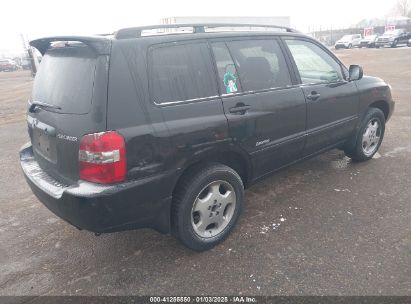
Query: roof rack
136,32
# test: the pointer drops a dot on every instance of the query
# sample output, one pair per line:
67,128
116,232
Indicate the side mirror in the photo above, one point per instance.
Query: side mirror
355,72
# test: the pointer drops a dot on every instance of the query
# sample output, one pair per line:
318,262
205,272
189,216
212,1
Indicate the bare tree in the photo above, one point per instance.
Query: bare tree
404,7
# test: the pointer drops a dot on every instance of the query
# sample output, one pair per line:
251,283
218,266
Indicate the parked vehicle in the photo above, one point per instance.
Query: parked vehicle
26,64
393,38
369,41
170,135
348,41
409,42
8,65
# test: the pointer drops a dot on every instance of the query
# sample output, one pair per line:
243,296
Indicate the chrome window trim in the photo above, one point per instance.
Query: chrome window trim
168,103
260,91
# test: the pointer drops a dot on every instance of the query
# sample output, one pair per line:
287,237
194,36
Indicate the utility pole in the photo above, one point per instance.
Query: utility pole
33,59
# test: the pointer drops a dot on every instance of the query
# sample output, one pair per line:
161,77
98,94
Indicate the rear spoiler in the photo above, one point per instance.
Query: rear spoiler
100,45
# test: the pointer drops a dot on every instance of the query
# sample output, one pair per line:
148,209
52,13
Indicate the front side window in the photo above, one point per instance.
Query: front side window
313,63
260,64
181,72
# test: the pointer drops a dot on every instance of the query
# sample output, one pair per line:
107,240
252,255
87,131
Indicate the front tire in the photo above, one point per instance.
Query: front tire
369,136
206,206
394,44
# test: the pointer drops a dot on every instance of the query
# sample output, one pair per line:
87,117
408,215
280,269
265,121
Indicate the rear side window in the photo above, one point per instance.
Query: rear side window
181,72
66,78
227,73
260,64
313,63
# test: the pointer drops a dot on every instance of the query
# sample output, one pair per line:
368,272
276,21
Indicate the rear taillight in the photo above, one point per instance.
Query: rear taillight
102,158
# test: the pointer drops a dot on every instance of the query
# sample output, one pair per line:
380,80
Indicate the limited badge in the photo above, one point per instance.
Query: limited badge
230,83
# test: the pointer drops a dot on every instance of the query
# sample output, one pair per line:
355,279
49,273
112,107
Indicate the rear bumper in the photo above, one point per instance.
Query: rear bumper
101,208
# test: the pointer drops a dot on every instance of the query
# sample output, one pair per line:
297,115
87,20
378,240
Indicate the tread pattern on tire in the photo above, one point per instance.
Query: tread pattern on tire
356,153
183,188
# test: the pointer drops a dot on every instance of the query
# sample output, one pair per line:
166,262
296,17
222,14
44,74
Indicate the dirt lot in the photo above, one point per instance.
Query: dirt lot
346,228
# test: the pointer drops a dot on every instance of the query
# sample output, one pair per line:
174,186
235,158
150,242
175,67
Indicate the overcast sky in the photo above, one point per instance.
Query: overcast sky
38,18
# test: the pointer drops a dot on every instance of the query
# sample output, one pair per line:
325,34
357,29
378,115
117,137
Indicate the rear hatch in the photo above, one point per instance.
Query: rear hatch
68,100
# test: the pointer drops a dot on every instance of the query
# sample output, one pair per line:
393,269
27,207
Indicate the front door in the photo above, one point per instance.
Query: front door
266,113
332,101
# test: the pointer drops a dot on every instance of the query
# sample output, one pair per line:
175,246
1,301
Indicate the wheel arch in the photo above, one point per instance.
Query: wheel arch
382,105
232,158
379,104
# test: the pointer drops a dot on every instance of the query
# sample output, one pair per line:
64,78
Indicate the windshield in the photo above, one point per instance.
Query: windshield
370,37
65,79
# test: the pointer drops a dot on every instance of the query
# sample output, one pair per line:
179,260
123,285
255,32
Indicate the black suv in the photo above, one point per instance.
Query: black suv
164,128
393,38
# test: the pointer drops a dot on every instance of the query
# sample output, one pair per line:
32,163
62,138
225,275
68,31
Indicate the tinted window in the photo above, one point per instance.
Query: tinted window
181,72
65,78
260,64
227,73
313,63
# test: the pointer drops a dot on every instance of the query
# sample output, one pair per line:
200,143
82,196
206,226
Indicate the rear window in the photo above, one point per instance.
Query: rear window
181,72
65,78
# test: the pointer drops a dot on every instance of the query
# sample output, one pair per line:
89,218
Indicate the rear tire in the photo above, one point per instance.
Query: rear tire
369,136
206,206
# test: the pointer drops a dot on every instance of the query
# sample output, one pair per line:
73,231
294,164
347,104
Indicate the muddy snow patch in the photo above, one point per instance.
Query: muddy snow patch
342,190
376,155
52,220
341,164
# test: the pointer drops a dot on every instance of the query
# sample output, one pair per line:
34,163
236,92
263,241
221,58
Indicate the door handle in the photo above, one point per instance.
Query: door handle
240,109
313,96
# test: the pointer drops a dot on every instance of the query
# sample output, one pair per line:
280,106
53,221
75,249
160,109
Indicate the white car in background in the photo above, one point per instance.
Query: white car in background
348,41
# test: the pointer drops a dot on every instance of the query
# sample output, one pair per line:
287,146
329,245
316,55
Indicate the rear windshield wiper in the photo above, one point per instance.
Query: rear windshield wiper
35,104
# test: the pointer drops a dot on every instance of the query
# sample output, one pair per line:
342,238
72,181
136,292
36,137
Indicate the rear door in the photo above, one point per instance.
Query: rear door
183,86
332,101
265,111
72,79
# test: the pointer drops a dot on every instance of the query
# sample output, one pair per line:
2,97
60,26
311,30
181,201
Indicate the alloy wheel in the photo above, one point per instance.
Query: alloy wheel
371,137
213,209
